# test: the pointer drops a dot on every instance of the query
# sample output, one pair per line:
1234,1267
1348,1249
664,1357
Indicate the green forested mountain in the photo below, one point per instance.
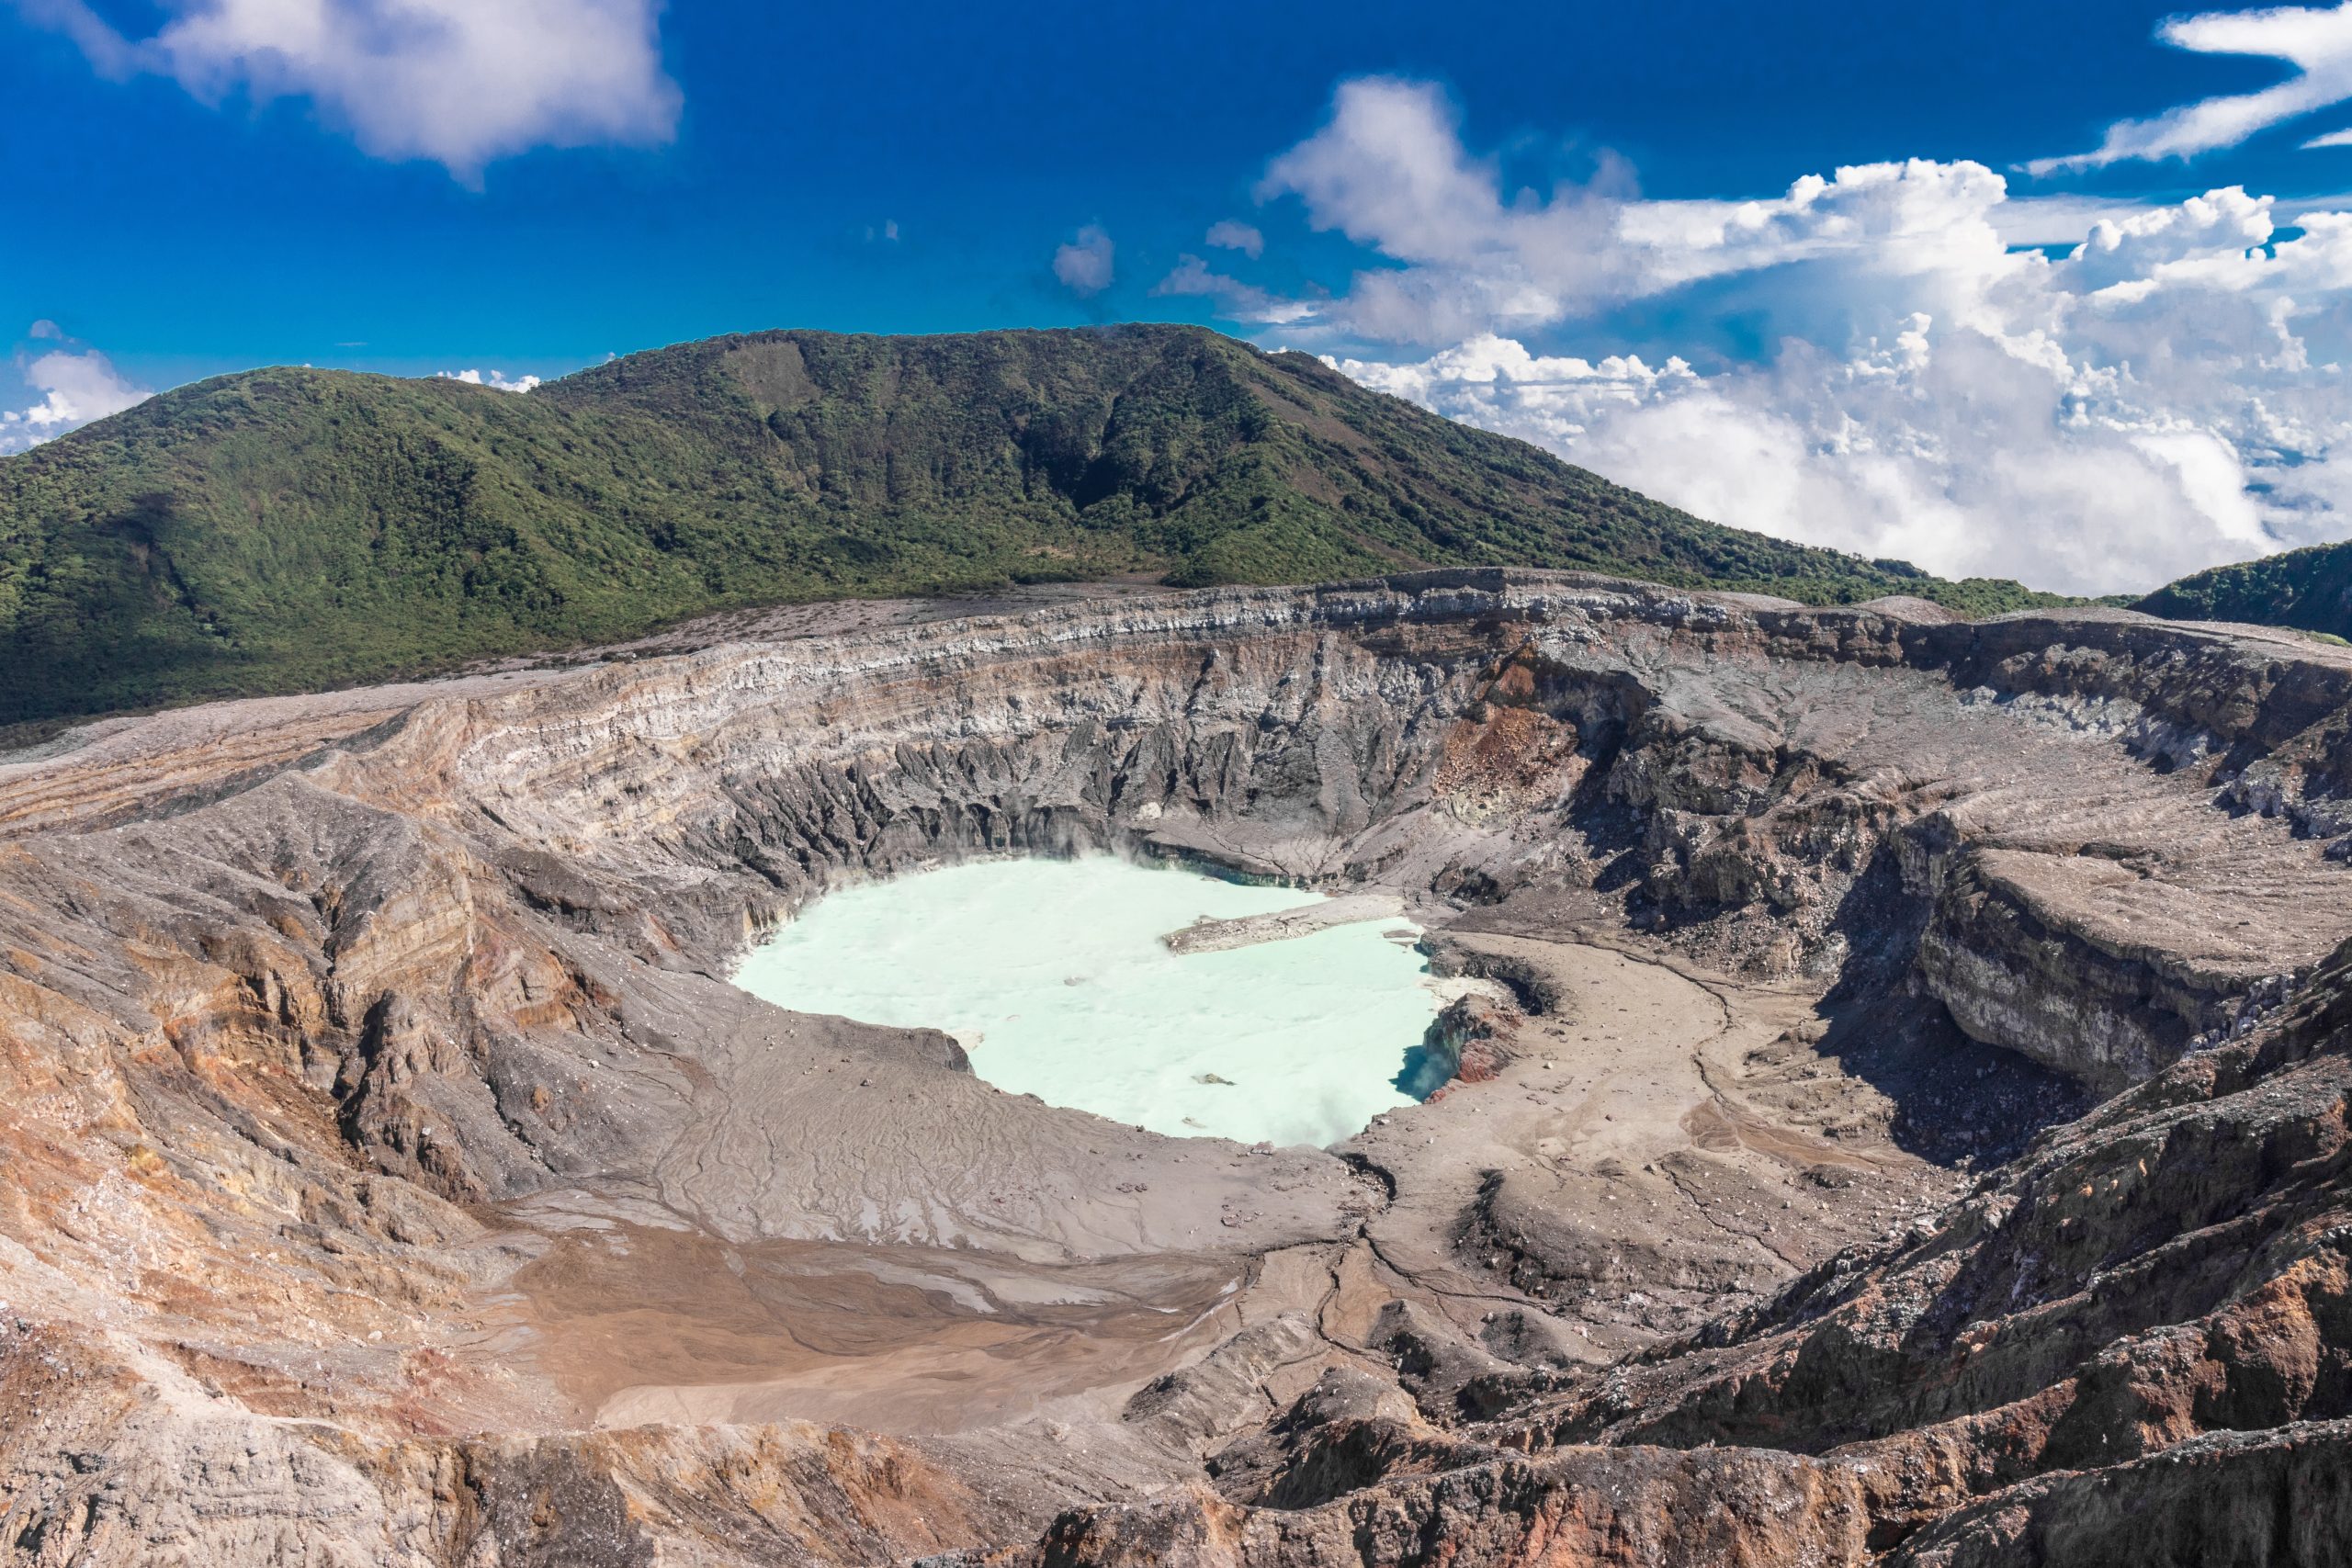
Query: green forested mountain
293,529
2308,589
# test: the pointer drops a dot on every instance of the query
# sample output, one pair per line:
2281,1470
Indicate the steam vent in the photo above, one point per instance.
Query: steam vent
1859,1086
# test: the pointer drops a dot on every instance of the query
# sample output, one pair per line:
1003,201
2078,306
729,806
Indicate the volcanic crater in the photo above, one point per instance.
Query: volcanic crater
1900,1116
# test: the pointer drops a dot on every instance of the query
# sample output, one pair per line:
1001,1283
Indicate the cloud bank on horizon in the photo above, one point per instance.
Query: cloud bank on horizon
2167,392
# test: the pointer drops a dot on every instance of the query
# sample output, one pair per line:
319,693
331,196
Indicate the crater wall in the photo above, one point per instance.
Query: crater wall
295,994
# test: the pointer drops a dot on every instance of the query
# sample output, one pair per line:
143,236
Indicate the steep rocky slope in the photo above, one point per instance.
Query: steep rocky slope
395,1178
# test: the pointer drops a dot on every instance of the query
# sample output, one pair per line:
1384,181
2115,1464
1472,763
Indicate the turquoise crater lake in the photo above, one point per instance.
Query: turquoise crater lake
1053,975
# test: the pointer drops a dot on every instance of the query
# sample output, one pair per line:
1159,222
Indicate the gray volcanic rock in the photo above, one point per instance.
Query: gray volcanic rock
386,1142
2274,1497
1206,935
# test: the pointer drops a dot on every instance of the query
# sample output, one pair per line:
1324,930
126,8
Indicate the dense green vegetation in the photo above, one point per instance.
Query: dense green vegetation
293,528
2310,590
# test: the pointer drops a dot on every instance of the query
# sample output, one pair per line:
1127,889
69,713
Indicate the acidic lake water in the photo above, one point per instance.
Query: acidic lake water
1053,975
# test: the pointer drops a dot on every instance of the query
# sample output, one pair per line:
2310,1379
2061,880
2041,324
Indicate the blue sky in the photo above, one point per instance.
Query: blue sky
1521,219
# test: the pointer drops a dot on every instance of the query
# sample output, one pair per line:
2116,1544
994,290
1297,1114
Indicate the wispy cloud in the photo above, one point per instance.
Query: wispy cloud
2317,42
458,83
1238,300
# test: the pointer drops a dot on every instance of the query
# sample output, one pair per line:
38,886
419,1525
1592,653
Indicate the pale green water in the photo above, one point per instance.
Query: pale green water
1053,975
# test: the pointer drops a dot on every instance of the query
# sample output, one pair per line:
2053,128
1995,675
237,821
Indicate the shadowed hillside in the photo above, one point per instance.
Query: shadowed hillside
2310,590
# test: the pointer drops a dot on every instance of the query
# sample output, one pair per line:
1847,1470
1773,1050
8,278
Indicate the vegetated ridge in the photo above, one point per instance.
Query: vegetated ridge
293,529
2310,590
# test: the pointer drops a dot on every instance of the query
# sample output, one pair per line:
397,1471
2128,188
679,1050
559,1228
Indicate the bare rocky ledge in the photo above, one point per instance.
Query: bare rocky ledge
1918,1135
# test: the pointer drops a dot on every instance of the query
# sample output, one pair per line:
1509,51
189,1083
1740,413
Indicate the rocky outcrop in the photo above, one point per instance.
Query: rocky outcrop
2281,1498
1614,1509
1206,935
2135,1343
175,1477
1469,1040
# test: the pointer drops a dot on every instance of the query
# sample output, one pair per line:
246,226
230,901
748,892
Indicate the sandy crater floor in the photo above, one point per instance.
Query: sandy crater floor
1635,1065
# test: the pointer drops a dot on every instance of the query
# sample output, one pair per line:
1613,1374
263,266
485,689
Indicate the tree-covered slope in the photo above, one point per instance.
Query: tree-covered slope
293,529
2310,590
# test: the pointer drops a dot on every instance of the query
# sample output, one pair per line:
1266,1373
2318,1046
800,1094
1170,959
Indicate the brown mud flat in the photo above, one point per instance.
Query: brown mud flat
639,1323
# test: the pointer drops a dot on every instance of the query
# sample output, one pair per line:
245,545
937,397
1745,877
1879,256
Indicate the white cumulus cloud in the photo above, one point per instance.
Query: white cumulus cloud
491,379
1389,172
1967,453
458,83
2168,393
1084,263
75,385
